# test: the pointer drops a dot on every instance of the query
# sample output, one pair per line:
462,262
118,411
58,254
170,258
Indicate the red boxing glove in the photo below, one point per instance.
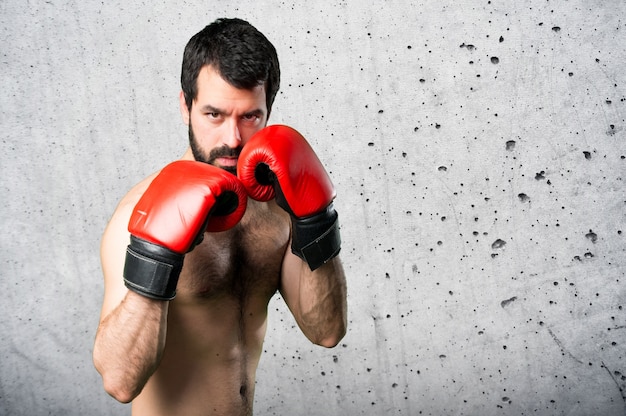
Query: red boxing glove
184,199
278,162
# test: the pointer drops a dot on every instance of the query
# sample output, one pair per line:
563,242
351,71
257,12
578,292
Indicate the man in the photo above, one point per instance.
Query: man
193,254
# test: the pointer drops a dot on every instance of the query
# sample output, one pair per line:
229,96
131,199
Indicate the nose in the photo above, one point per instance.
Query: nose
232,137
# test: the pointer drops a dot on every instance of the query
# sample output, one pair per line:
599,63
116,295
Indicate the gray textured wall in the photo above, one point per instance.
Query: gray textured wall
478,150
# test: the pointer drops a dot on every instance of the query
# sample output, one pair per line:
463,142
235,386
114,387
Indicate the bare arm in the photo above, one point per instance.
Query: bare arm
278,162
129,344
317,299
131,335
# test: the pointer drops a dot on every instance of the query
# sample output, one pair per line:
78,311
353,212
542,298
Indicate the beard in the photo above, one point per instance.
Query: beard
201,156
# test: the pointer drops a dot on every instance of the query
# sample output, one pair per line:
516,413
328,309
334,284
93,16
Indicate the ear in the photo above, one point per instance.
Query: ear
184,111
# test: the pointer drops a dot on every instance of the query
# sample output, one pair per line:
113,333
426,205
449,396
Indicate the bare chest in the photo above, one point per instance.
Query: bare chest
242,262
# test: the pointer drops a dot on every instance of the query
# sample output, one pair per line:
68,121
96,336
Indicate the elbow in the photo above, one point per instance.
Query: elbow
115,386
118,392
332,338
329,342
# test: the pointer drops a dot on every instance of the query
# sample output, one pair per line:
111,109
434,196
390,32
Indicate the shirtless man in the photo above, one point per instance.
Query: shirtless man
185,304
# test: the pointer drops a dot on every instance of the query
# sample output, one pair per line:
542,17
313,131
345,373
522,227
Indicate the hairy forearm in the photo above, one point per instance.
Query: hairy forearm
129,344
322,303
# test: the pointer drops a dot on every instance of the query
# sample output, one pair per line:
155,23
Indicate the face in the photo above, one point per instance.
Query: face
222,119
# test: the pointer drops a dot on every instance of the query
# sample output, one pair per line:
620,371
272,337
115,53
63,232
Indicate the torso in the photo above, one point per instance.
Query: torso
217,322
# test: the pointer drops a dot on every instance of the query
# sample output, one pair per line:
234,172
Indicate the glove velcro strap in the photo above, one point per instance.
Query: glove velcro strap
151,270
316,239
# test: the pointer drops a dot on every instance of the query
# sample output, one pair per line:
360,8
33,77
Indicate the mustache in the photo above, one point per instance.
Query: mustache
224,151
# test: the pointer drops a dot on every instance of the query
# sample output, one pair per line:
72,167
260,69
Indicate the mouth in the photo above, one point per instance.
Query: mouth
225,158
227,161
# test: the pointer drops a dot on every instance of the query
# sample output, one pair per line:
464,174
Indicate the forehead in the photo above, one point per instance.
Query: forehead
214,90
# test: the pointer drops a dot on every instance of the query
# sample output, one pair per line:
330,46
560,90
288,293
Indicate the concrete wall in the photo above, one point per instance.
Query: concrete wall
478,151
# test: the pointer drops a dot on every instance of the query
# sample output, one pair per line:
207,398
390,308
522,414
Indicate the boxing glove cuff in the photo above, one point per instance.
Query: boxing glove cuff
316,239
152,270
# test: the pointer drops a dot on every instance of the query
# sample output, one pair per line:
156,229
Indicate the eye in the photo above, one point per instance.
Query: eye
251,118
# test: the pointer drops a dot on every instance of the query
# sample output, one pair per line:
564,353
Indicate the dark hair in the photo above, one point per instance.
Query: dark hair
241,54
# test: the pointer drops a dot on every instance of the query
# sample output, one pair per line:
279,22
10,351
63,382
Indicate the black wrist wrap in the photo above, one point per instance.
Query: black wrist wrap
316,239
152,270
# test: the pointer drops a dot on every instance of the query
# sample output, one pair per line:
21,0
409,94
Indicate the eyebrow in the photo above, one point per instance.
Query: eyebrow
208,108
258,112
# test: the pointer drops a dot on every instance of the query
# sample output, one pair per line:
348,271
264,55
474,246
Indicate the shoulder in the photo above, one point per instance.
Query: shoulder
116,232
127,203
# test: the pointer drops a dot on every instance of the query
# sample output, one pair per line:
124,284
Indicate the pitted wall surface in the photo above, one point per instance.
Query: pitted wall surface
478,152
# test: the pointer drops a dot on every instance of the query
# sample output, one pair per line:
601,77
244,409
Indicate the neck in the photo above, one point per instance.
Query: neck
188,155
